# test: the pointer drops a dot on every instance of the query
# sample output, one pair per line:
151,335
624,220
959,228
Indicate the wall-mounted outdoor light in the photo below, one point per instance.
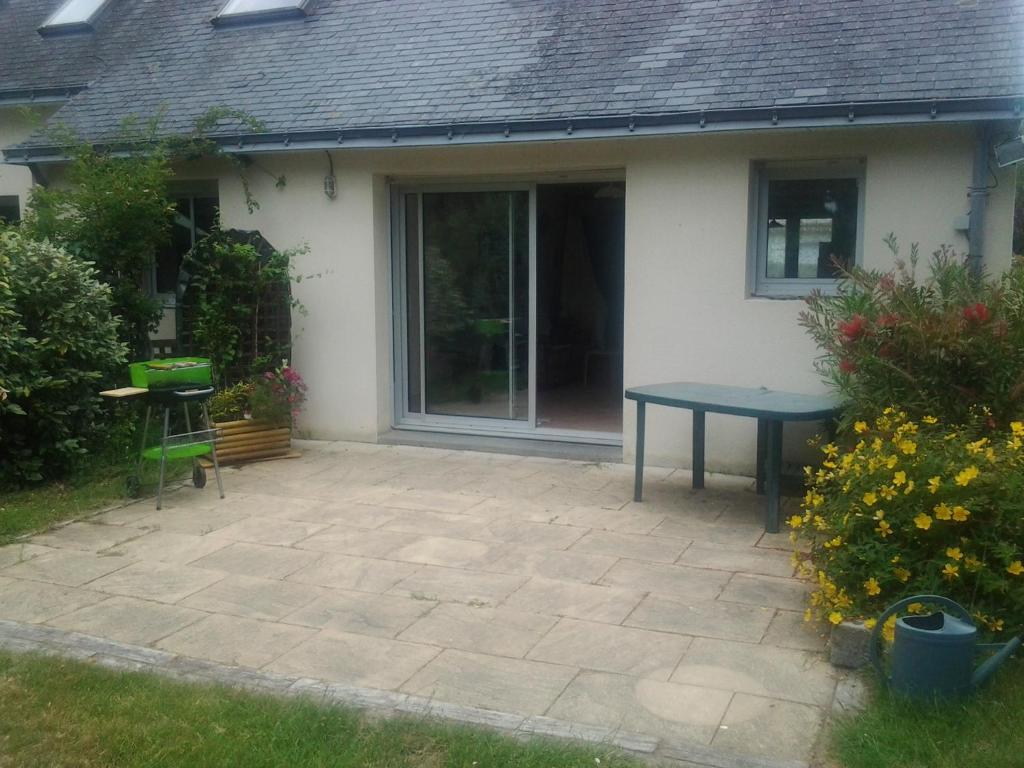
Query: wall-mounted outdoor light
330,182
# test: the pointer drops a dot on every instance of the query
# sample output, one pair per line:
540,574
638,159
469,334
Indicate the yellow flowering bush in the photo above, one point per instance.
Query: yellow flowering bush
917,507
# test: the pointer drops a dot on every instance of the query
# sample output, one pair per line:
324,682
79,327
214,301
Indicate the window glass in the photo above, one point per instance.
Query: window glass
239,7
10,209
75,13
193,219
809,228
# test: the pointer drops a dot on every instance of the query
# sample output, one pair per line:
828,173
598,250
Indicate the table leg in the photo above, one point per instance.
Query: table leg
773,470
698,449
638,479
762,447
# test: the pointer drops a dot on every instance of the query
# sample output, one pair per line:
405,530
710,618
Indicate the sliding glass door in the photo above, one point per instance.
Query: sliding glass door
465,294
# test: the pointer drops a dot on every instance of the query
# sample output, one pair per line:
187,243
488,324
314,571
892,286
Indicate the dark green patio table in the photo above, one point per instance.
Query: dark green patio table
771,408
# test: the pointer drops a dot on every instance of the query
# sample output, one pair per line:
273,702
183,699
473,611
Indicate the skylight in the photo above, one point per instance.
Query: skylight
239,10
73,16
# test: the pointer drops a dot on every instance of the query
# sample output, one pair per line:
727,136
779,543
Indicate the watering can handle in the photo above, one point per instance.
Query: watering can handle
876,634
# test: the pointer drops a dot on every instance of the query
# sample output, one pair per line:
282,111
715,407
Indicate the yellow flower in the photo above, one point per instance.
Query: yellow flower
965,476
807,614
870,623
795,521
954,553
923,521
972,563
813,499
1017,427
860,427
996,625
915,608
899,478
950,571
872,587
909,447
902,574
870,498
909,489
929,420
960,514
887,492
943,512
883,528
1015,568
977,445
835,617
889,629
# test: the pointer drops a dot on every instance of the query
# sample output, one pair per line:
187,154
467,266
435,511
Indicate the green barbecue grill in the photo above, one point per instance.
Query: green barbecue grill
174,382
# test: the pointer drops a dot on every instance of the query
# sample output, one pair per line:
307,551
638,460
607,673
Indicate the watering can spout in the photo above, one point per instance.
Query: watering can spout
985,671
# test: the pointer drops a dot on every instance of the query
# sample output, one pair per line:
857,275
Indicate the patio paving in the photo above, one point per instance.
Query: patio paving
529,586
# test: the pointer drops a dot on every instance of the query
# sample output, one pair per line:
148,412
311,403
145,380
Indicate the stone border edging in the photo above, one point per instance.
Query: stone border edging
32,638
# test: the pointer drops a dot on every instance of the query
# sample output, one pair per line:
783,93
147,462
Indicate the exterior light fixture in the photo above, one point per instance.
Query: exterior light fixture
330,182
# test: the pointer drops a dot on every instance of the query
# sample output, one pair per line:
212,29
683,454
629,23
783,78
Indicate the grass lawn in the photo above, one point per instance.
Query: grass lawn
980,732
34,509
64,713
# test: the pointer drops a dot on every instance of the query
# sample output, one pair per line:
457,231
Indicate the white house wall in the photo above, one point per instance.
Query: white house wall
688,315
15,126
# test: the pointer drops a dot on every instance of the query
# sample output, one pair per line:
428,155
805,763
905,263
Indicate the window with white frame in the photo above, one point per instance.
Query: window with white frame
73,16
806,225
245,10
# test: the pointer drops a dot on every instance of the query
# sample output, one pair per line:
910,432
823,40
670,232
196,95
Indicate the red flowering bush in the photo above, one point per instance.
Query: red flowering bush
278,395
935,346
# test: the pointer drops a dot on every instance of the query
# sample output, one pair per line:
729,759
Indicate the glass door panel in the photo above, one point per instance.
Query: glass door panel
467,279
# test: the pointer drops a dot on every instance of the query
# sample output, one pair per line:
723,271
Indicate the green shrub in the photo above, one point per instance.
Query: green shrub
937,346
115,213
918,507
232,403
58,342
237,308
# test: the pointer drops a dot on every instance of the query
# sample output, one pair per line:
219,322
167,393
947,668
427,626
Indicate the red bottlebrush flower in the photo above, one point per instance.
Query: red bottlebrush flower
853,328
887,282
976,313
847,366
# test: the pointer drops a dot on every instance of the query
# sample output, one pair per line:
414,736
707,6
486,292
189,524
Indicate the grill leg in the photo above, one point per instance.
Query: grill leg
142,442
188,428
163,457
213,452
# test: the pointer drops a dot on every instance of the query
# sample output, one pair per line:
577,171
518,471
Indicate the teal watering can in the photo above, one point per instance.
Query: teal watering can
933,654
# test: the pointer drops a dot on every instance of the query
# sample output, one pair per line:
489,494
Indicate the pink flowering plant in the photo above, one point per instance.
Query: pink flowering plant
278,395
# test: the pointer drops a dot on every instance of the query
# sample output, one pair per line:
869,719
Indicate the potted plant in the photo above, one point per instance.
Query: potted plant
255,416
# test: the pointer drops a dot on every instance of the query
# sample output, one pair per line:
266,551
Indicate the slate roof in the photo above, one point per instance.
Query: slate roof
356,64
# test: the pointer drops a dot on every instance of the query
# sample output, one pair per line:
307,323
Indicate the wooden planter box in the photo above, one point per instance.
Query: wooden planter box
249,440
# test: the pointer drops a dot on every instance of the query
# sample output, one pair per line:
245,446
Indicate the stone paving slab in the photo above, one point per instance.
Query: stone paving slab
496,631
481,680
608,648
361,613
32,601
662,709
355,659
128,620
526,594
